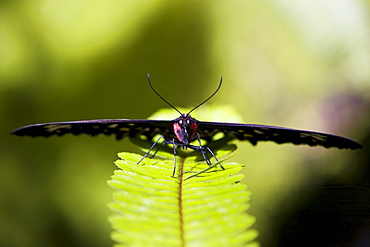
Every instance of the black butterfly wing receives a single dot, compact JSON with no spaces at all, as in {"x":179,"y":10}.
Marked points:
{"x":118,"y":127}
{"x":149,"y":128}
{"x":255,"y":133}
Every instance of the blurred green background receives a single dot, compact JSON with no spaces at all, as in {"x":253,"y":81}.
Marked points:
{"x":301,"y":64}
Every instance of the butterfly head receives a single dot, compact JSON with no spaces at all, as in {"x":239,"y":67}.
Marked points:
{"x":185,"y":128}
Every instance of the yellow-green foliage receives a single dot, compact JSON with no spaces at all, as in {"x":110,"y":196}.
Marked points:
{"x":155,"y":209}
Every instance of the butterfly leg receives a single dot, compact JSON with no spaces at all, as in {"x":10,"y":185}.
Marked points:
{"x":174,"y":157}
{"x":150,"y":149}
{"x":174,"y":154}
{"x":202,"y":150}
{"x":157,"y":149}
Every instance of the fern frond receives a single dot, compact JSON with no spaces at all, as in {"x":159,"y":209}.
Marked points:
{"x":197,"y":207}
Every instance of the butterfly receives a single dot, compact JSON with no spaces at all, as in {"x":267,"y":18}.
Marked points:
{"x":184,"y":130}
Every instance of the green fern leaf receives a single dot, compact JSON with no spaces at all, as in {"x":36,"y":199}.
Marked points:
{"x":197,"y":207}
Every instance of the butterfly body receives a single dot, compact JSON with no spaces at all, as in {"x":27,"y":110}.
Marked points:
{"x":185,"y":128}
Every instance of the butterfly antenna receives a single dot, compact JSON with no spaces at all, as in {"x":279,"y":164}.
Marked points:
{"x":168,"y":103}
{"x":218,"y":88}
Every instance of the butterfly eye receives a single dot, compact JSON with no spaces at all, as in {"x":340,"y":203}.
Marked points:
{"x":188,"y":121}
{"x":180,"y":121}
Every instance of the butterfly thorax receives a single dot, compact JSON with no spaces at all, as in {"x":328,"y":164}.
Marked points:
{"x":185,"y":128}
